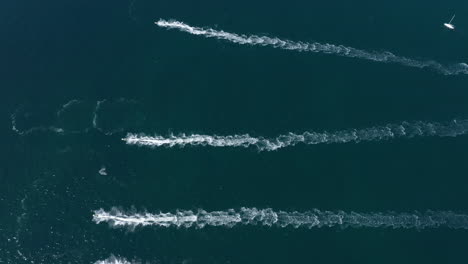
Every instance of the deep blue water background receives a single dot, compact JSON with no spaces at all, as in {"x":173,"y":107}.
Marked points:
{"x":160,"y":81}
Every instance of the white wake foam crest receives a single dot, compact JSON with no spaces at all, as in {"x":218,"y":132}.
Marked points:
{"x":67,"y":105}
{"x":52,"y":128}
{"x":390,"y":131}
{"x":100,"y":109}
{"x":268,"y":217}
{"x":113,"y":260}
{"x":59,"y":127}
{"x":340,"y":50}
{"x":44,"y":128}
{"x":95,"y":114}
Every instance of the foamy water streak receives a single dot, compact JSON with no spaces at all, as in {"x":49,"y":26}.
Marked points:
{"x":114,"y":260}
{"x":268,"y":217}
{"x":390,"y":131}
{"x":340,"y":50}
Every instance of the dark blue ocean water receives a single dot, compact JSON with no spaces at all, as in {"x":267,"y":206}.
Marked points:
{"x":128,"y":75}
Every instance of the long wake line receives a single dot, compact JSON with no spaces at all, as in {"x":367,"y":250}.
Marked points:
{"x":268,"y":217}
{"x":387,"y":132}
{"x":340,"y":50}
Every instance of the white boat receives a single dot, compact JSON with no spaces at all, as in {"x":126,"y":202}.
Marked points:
{"x":449,"y":25}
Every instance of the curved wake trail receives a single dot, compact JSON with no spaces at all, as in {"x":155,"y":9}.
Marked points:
{"x":268,"y":217}
{"x":340,"y":50}
{"x":390,"y":131}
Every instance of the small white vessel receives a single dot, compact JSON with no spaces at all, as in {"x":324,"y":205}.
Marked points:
{"x":449,"y":25}
{"x":103,"y":171}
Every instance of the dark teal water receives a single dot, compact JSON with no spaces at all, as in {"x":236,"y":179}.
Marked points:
{"x":159,"y":81}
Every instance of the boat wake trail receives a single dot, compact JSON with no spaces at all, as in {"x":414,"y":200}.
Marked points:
{"x":114,"y":260}
{"x":387,"y":132}
{"x":107,"y":116}
{"x":340,"y":50}
{"x":268,"y":217}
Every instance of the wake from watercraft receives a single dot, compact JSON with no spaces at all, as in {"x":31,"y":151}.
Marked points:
{"x":267,"y":217}
{"x":387,"y":132}
{"x":72,"y":118}
{"x":340,"y":50}
{"x":114,"y":260}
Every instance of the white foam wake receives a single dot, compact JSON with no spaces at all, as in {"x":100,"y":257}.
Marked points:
{"x":390,"y":131}
{"x":340,"y":50}
{"x":113,"y":260}
{"x":67,"y":118}
{"x":95,"y":114}
{"x":268,"y":217}
{"x":66,"y":106}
